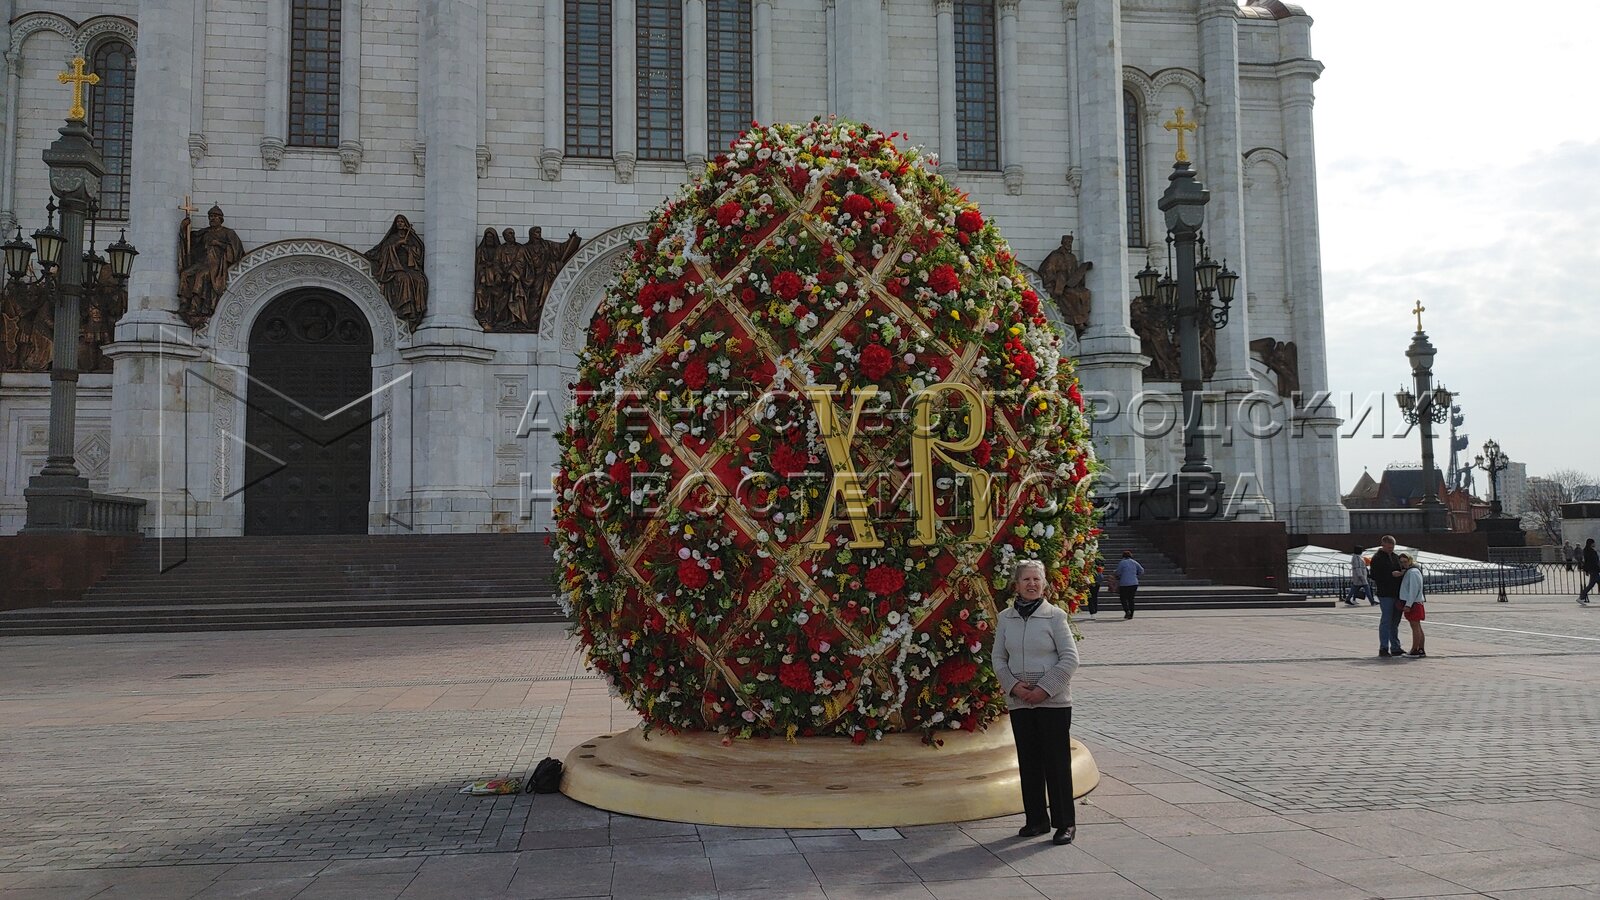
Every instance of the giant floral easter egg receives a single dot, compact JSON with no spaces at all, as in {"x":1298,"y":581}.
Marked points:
{"x":819,"y":419}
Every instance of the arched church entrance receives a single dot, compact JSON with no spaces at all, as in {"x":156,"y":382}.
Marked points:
{"x":308,"y":418}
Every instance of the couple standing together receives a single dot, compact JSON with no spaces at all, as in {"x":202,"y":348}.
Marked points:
{"x":1398,"y":583}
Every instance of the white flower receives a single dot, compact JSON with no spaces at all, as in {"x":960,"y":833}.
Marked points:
{"x":683,"y":552}
{"x":894,"y":617}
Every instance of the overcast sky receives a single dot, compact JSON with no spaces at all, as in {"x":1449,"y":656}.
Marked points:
{"x":1458,"y":163}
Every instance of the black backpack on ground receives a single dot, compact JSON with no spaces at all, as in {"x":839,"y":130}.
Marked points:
{"x":546,"y":777}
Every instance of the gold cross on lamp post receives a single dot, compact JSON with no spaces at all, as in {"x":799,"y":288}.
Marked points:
{"x":1419,"y":310}
{"x":77,"y":78}
{"x":1180,"y":126}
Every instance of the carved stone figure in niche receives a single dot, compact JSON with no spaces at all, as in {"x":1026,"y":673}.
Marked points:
{"x":514,"y":279}
{"x":397,"y":267}
{"x":27,"y":327}
{"x":204,"y":258}
{"x":1283,"y":358}
{"x":1065,"y":279}
{"x":103,"y":304}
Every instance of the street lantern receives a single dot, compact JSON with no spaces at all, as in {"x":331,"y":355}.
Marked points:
{"x":49,"y":241}
{"x":122,"y":254}
{"x":19,"y":256}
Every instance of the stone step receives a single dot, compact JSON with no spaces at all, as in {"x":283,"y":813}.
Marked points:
{"x":226,"y":617}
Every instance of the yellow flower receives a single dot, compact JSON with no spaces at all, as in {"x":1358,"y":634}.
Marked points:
{"x":955,"y":314}
{"x":688,"y":531}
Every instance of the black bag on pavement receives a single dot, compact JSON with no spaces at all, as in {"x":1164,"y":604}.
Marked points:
{"x":546,"y":777}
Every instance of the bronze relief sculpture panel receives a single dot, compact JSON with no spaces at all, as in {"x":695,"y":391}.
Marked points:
{"x":204,"y":258}
{"x":512,"y":279}
{"x":1065,"y":279}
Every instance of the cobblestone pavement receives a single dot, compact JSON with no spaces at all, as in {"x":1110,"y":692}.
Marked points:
{"x":1244,"y":755}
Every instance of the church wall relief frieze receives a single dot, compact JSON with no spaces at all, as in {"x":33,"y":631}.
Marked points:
{"x":27,"y":324}
{"x":1158,"y":343}
{"x":397,"y":265}
{"x":512,"y":280}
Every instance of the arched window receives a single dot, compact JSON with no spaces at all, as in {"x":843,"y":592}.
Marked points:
{"x":660,"y":78}
{"x":730,"y":101}
{"x":1135,"y":168}
{"x":314,"y":40}
{"x":111,"y":123}
{"x":588,"y":50}
{"x":977,"y":87}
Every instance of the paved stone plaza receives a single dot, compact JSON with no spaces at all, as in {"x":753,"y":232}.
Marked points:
{"x":1245,"y":755}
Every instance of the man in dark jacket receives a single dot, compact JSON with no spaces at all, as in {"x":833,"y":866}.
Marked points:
{"x":1591,"y":571}
{"x":1386,"y":572}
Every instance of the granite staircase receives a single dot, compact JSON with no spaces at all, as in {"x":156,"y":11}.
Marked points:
{"x":1165,"y":586}
{"x":312,"y":581}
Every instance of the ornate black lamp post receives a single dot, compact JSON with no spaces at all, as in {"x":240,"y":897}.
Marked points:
{"x":1427,"y":407}
{"x":1493,"y":461}
{"x":1186,"y":300}
{"x":58,"y":496}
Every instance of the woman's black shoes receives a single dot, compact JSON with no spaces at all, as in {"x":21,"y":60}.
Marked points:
{"x":1418,"y":653}
{"x":1065,"y":835}
{"x":1032,"y":830}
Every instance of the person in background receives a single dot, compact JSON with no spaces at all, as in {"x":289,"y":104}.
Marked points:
{"x":1360,"y":584}
{"x":1590,"y":578}
{"x":1411,"y":596}
{"x":1386,"y":573}
{"x":1034,"y":656}
{"x":1128,"y":572}
{"x":1094,"y":588}
{"x":1570,"y":555}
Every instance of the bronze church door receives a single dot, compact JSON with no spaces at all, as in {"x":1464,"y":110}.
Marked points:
{"x":308,"y":422}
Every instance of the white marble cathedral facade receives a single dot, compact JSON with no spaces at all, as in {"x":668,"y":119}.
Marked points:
{"x":456,"y":113}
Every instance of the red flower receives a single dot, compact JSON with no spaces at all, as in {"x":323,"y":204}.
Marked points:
{"x":1075,"y":395}
{"x":957,"y":670}
{"x":1030,"y":303}
{"x":691,"y":576}
{"x":1026,"y":367}
{"x":796,"y":677}
{"x":1080,"y":470}
{"x":694,"y":375}
{"x":789,"y":460}
{"x":982,"y":452}
{"x":787,"y":285}
{"x":857,"y":205}
{"x":729,"y":213}
{"x":620,"y":474}
{"x":943,"y":279}
{"x":858,"y":738}
{"x":885,"y":580}
{"x":876,"y":360}
{"x":896,"y":286}
{"x":970,"y":220}
{"x":799,"y":179}
{"x":600,"y":333}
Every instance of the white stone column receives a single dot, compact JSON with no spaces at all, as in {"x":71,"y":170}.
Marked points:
{"x":624,"y":89}
{"x":695,"y":140}
{"x":8,"y":142}
{"x":1111,"y":365}
{"x":1010,"y":98}
{"x":197,"y":78}
{"x":1240,"y":457}
{"x":448,"y":87}
{"x":153,"y":348}
{"x":555,"y":91}
{"x":451,"y":444}
{"x":761,"y":25}
{"x":1069,"y":57}
{"x":1315,"y":441}
{"x":949,"y":143}
{"x":350,"y":149}
{"x":275,"y":123}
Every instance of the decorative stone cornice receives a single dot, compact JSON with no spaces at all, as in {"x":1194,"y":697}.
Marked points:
{"x":350,"y":156}
{"x":483,"y":156}
{"x":271,"y":152}
{"x":550,"y":159}
{"x":197,"y":147}
{"x":624,"y":163}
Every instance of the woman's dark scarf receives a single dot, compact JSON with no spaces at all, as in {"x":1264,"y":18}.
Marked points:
{"x":1026,"y":608}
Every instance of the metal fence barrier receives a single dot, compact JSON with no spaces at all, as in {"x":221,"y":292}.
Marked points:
{"x":1318,"y":580}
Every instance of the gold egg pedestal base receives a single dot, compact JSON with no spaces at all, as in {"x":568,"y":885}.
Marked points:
{"x":819,"y":782}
